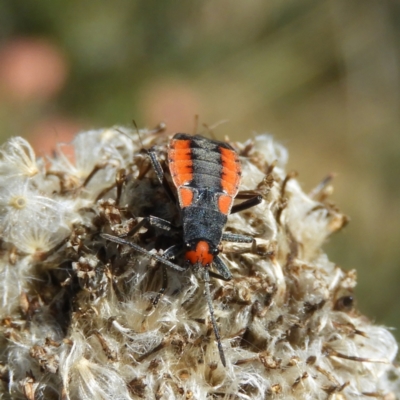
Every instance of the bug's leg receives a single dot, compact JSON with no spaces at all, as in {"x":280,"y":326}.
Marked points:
{"x":211,"y":311}
{"x":160,"y":174}
{"x":236,"y":238}
{"x":156,"y":165}
{"x":171,"y":252}
{"x":163,"y":287}
{"x":246,"y":194}
{"x":136,"y":228}
{"x":141,"y":250}
{"x":224,"y":273}
{"x":251,"y":202}
{"x":151,"y":221}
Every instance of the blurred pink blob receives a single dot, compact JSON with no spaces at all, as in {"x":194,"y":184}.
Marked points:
{"x":31,"y":69}
{"x":174,"y":103}
{"x":47,"y":133}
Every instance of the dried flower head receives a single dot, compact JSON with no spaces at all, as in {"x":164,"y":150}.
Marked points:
{"x":82,"y":317}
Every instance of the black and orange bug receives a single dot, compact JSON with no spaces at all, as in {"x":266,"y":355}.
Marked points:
{"x":206,"y":174}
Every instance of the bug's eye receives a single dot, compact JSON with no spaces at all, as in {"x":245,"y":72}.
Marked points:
{"x":214,"y":252}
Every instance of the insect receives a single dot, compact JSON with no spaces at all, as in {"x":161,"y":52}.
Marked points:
{"x":206,"y":174}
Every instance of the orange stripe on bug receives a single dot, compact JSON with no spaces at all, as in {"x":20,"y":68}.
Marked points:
{"x":185,"y":197}
{"x":180,"y":144}
{"x":225,"y":203}
{"x":181,"y":154}
{"x":180,"y":162}
{"x":231,"y":171}
{"x":229,"y":161}
{"x":201,"y":255}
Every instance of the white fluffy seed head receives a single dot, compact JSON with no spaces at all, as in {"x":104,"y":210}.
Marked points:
{"x":78,"y":319}
{"x":17,"y":159}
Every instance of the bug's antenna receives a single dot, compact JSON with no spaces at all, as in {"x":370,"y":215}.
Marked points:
{"x":161,"y":127}
{"x":138,"y":133}
{"x":210,"y":128}
{"x":218,"y":123}
{"x":214,"y":323}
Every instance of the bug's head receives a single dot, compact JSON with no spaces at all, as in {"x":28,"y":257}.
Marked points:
{"x":201,"y":253}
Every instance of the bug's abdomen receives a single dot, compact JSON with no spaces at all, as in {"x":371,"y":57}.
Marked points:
{"x":199,"y":163}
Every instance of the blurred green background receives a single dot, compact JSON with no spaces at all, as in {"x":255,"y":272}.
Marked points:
{"x":321,"y":76}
